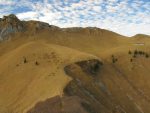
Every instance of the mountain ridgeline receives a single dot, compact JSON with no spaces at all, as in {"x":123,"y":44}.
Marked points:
{"x":48,"y":69}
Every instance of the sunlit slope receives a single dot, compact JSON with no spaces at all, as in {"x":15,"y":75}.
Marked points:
{"x":83,"y":39}
{"x":78,"y":38}
{"x":128,"y":81}
{"x":128,"y":78}
{"x":34,"y":72}
{"x":32,"y":69}
{"x":119,"y":87}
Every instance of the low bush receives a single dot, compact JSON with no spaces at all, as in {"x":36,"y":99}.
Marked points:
{"x":147,"y":55}
{"x":130,"y":52}
{"x":36,"y":63}
{"x":135,"y":52}
{"x":25,"y":60}
{"x":114,"y":60}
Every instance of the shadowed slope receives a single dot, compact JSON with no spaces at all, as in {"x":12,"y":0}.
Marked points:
{"x":113,"y":89}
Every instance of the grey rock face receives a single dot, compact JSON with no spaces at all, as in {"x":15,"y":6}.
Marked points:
{"x":42,"y":25}
{"x":10,"y":24}
{"x":90,"y":66}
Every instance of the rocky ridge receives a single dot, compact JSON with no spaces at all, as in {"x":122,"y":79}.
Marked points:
{"x":11,"y":24}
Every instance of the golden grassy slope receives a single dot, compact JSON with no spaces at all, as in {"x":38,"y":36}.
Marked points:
{"x":24,"y":84}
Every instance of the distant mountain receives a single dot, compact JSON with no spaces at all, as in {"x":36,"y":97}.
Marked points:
{"x":141,"y":36}
{"x":11,"y":24}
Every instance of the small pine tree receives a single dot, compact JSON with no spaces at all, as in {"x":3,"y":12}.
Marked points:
{"x":147,"y":55}
{"x":113,"y":60}
{"x":135,"y":52}
{"x":130,"y":52}
{"x":140,"y":52}
{"x":36,"y":63}
{"x":25,"y":60}
{"x":116,"y":60}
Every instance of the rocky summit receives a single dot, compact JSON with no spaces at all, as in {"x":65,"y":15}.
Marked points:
{"x":11,"y":24}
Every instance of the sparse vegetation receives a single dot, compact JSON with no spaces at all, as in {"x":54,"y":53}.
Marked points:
{"x":48,"y":68}
{"x":36,"y":63}
{"x":138,"y":53}
{"x":135,"y":52}
{"x":114,"y":60}
{"x":147,"y":55}
{"x":25,"y":60}
{"x":112,"y":56}
{"x":130,"y":52}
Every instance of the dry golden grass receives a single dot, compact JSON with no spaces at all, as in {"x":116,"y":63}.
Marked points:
{"x":22,"y":85}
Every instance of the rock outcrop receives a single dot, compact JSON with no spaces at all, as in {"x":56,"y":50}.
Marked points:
{"x":91,"y":67}
{"x":59,"y":105}
{"x":78,"y":96}
{"x":10,"y":24}
{"x":84,"y":85}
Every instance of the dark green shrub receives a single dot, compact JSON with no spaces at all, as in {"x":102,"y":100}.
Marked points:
{"x":140,"y":52}
{"x":114,"y":60}
{"x":36,"y":63}
{"x":25,"y":60}
{"x":130,"y":52}
{"x":147,"y":55}
{"x":135,"y":52}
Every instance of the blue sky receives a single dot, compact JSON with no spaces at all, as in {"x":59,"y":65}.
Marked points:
{"x":127,"y":17}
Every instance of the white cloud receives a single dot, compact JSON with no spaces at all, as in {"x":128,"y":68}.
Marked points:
{"x":28,"y":15}
{"x":7,"y":2}
{"x":97,"y":8}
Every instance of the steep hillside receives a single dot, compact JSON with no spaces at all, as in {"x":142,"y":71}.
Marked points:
{"x":34,"y":72}
{"x":120,"y":87}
